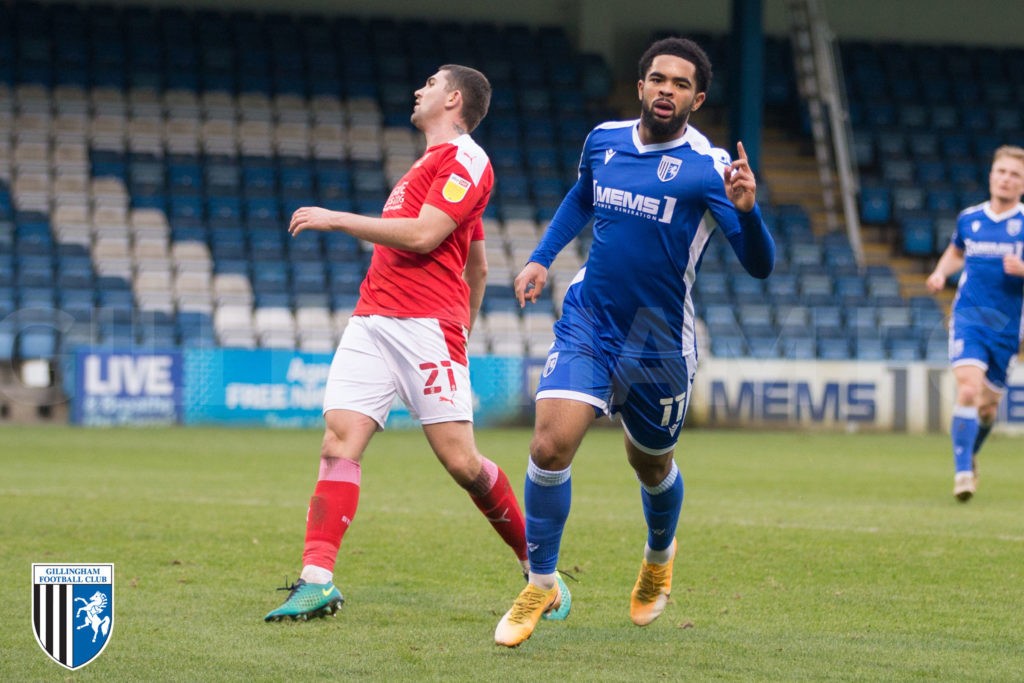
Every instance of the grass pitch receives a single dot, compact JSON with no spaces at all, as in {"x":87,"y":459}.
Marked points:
{"x":809,"y":557}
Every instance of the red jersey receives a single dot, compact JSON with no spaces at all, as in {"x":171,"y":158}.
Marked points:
{"x":455,"y":177}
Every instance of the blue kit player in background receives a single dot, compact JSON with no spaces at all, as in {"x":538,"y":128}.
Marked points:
{"x":625,"y":341}
{"x":985,"y":331}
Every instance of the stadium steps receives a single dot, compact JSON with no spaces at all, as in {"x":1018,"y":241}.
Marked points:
{"x":910,"y":272}
{"x":791,"y":173}
{"x":792,"y":176}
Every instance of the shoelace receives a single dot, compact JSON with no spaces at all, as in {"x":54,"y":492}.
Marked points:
{"x":293,"y":587}
{"x":522,"y":609}
{"x":526,"y":576}
{"x":651,"y":581}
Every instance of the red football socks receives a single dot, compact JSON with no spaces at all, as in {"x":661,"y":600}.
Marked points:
{"x":501,"y":508}
{"x":331,"y":510}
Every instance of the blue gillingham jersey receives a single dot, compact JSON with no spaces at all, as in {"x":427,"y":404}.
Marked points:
{"x":986,"y":295}
{"x":649,"y":204}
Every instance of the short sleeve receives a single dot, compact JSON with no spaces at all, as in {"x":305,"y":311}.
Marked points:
{"x":454,"y":191}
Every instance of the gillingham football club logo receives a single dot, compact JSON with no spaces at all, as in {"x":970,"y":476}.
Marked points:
{"x":668,"y":168}
{"x":1013,"y":227}
{"x":73,"y":611}
{"x":549,"y":366}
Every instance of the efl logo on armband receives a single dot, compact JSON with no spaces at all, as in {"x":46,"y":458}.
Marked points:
{"x":455,"y":189}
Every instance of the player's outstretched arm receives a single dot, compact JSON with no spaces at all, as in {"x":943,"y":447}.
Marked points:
{"x":421,"y":234}
{"x":530,"y":283}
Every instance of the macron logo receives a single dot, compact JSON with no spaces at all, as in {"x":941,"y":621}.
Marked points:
{"x":608,"y":154}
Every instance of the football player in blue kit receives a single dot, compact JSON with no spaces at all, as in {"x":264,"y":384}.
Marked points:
{"x":624,"y":344}
{"x":985,"y":330}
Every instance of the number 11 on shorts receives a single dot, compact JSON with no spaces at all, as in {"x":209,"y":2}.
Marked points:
{"x":669,"y":401}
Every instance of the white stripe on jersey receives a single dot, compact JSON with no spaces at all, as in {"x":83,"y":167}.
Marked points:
{"x":700,"y":240}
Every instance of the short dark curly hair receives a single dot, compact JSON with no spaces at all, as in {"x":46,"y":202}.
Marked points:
{"x":685,"y":49}
{"x":475,"y":89}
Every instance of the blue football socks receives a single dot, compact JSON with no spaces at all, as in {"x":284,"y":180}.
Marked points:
{"x":662,"y":504}
{"x":983,"y":429}
{"x":547,"y":498}
{"x":964,"y":433}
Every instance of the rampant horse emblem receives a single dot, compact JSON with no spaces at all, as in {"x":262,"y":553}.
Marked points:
{"x":549,"y":366}
{"x":73,"y":611}
{"x":93,"y":608}
{"x":668,"y":168}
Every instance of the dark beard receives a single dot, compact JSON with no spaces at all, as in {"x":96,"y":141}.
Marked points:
{"x":663,"y":129}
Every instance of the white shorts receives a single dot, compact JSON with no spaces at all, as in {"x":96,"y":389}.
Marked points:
{"x":420,"y":360}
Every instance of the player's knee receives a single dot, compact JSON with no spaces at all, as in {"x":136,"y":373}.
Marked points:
{"x":331,"y":446}
{"x":987,"y":413}
{"x":652,"y":470}
{"x":967,"y":394}
{"x":463,"y":468}
{"x":548,"y":453}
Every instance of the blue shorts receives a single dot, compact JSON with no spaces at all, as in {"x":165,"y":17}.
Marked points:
{"x":980,"y":346}
{"x":650,"y":395}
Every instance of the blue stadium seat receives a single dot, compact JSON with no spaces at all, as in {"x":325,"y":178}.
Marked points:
{"x":868,"y":348}
{"x":905,"y":349}
{"x":77,"y":303}
{"x":942,"y":200}
{"x":8,"y":335}
{"x":798,"y":347}
{"x":37,"y":343}
{"x":309,"y":278}
{"x":79,"y":334}
{"x":891,"y":144}
{"x":728,"y":346}
{"x":936,"y":350}
{"x":917,"y":235}
{"x":500,"y":298}
{"x":35,"y":297}
{"x":184,"y":179}
{"x":267,"y":245}
{"x":227,"y":244}
{"x":834,"y":348}
{"x":764,"y":347}
{"x":270,"y":276}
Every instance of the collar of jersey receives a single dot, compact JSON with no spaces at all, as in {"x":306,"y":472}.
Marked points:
{"x":995,"y":218}
{"x":683,"y":139}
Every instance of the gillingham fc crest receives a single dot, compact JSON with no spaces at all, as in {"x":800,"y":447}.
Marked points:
{"x":73,"y":611}
{"x":668,"y":168}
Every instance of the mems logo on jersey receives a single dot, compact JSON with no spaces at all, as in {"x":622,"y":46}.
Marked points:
{"x":635,"y":204}
{"x":456,"y":188}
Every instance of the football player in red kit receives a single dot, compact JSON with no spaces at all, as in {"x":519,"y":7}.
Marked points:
{"x":407,"y":335}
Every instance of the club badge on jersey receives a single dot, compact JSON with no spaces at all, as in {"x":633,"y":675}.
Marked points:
{"x":668,"y":168}
{"x":456,"y":188}
{"x":73,"y":611}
